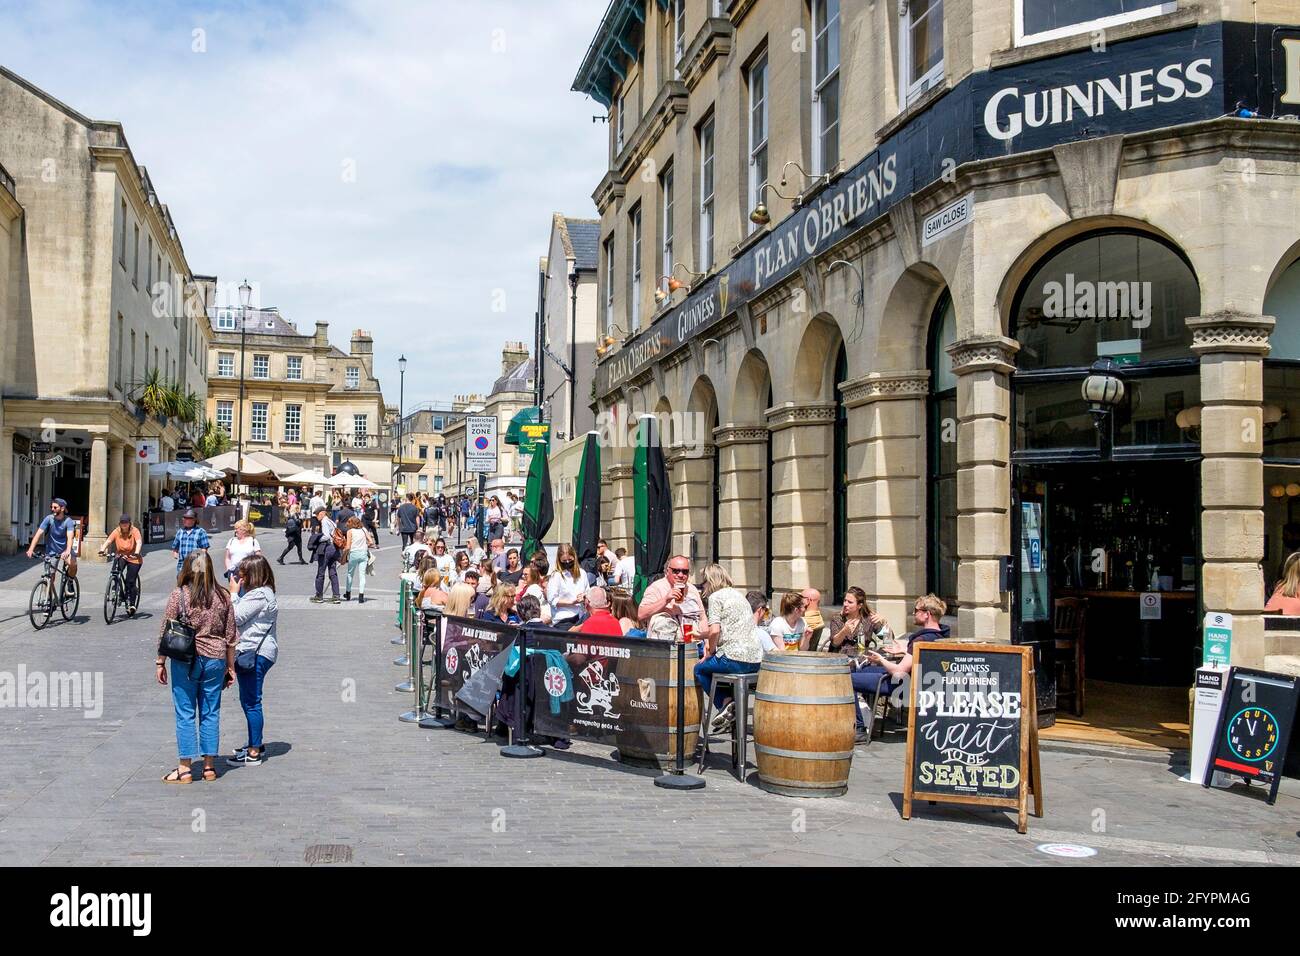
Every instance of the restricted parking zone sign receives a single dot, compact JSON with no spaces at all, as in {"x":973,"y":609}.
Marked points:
{"x":481,"y":443}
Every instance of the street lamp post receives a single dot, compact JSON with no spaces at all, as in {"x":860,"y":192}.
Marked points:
{"x":401,"y":414}
{"x":245,"y":296}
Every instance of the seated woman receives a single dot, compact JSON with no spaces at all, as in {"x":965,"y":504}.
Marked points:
{"x":731,"y":647}
{"x":788,"y":627}
{"x":856,"y":629}
{"x":501,"y":606}
{"x":1286,"y":597}
{"x":623,"y":608}
{"x":431,"y":597}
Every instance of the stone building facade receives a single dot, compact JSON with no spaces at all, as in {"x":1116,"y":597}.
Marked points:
{"x":510,"y":393}
{"x":98,"y":293}
{"x":989,"y":199}
{"x":422,"y":454}
{"x":305,"y":400}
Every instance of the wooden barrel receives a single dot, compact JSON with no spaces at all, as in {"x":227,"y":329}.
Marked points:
{"x":803,"y":724}
{"x":649,"y":733}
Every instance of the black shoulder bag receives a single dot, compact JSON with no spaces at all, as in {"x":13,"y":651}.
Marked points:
{"x":177,"y":640}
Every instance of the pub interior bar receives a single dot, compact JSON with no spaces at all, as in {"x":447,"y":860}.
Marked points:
{"x":1028,"y":338}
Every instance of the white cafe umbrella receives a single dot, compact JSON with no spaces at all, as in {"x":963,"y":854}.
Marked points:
{"x":354,"y":481}
{"x":311,"y":477}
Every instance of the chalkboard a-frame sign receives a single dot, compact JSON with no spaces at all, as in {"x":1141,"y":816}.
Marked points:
{"x":1254,"y":728}
{"x":972,"y":731}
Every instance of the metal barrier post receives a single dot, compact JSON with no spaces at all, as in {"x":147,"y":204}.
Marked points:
{"x":433,"y":718}
{"x":404,"y":599}
{"x":413,"y":716}
{"x":676,"y":778}
{"x":519,"y":747}
{"x":408,"y":686}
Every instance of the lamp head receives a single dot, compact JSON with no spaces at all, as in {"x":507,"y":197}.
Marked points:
{"x":401,"y":363}
{"x":760,"y":216}
{"x":245,"y":294}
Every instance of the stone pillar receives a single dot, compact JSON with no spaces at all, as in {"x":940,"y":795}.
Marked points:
{"x":743,"y":506}
{"x":1232,"y":347}
{"x":131,"y":489}
{"x":983,"y":365}
{"x":802,"y":462}
{"x":691,"y":475}
{"x":119,"y":459}
{"x":7,"y":543}
{"x":96,"y":517}
{"x":622,"y":509}
{"x":887,"y":498}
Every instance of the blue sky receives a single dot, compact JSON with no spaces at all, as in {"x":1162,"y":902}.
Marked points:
{"x":381,"y":165}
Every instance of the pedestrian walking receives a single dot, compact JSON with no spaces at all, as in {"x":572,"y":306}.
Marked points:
{"x":189,"y":538}
{"x":256,"y":650}
{"x":293,"y":534}
{"x":408,"y":519}
{"x":327,"y":559}
{"x":243,"y":544}
{"x":200,"y":603}
{"x":357,"y":550}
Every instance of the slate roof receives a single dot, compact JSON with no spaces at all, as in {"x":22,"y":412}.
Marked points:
{"x":516,"y":380}
{"x":584,"y":235}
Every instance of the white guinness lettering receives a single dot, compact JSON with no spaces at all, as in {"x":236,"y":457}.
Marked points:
{"x":1008,"y":112}
{"x":691,"y":318}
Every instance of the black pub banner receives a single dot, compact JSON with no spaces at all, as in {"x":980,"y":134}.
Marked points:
{"x":1167,"y":79}
{"x":468,"y":644}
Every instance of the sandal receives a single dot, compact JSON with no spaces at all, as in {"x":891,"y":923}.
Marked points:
{"x":209,"y":770}
{"x":179,"y":775}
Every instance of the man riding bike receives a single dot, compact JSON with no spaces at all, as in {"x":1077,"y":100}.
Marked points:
{"x":59,"y":532}
{"x":129,"y":544}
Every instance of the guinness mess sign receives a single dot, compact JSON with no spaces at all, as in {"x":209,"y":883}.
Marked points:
{"x":972,"y":731}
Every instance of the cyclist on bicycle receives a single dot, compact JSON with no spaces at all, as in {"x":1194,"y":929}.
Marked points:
{"x":129,"y":543}
{"x":59,"y":532}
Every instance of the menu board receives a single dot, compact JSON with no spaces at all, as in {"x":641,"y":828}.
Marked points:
{"x":1254,"y":727}
{"x":972,"y":729}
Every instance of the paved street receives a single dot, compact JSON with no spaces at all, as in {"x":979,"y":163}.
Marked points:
{"x":343,"y":770}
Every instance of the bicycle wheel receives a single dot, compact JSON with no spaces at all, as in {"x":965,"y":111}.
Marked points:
{"x":39,"y":605}
{"x":70,"y":599}
{"x":112,"y":596}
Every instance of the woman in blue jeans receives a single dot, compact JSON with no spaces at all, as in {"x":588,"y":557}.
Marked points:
{"x":199,"y":602}
{"x":255,"y":616}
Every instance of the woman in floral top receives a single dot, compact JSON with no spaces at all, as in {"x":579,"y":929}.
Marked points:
{"x":196,"y":688}
{"x":731,"y":647}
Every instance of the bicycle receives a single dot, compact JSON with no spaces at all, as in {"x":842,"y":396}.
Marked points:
{"x":54,"y":582}
{"x":116,"y":595}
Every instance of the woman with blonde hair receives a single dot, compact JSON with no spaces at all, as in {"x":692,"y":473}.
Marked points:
{"x":358,"y":552}
{"x":501,"y":606}
{"x":431,"y":596}
{"x":730,"y":644}
{"x":565,"y":587}
{"x":459,"y":600}
{"x":1286,"y":596}
{"x":239,"y":547}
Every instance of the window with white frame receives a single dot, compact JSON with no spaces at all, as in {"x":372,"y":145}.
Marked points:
{"x":609,"y":284}
{"x":261,"y":366}
{"x":437,"y":423}
{"x":121,"y":255}
{"x":422,"y":482}
{"x":353,"y":376}
{"x":331,"y":421}
{"x":226,"y":416}
{"x":620,"y":109}
{"x":148,"y":265}
{"x":121,"y":349}
{"x":757,"y":131}
{"x":437,"y":453}
{"x":293,"y":368}
{"x":359,"y":430}
{"x":226,"y":364}
{"x":826,"y":85}
{"x":293,"y":423}
{"x":634,"y":311}
{"x":679,"y":34}
{"x":705,"y":257}
{"x":135,"y":260}
{"x":225,"y":320}
{"x":920,"y":48}
{"x":666,"y":226}
{"x":1039,"y":20}
{"x":437,"y":483}
{"x":423,"y":453}
{"x":258,"y":420}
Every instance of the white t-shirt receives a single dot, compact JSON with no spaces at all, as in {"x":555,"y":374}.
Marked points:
{"x":562,"y":589}
{"x":767,"y":642}
{"x":412,"y":551}
{"x":625,"y":571}
{"x":779,"y":629}
{"x":239,"y":548}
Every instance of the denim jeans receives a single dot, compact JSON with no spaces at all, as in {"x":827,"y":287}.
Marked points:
{"x":250,"y":698}
{"x":327,"y":559}
{"x":717,"y":664}
{"x":196,"y":694}
{"x":866,"y":680}
{"x":357,"y":566}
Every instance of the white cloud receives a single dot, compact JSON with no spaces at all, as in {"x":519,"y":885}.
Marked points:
{"x":461,"y":153}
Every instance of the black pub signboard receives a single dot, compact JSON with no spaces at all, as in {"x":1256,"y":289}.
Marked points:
{"x":1254,"y":728}
{"x":972,"y":731}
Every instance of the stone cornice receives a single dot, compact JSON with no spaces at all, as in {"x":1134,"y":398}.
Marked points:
{"x":611,"y":187}
{"x":619,"y":472}
{"x":794,"y":416}
{"x":885,"y":386}
{"x":980,"y":353}
{"x":1232,"y":332}
{"x":739,"y":435}
{"x":713,"y":41}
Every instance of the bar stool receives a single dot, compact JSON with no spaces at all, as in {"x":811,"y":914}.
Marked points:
{"x":742,"y":686}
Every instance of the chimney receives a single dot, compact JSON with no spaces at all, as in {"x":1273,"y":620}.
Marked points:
{"x":362,"y":349}
{"x":323,"y":334}
{"x":513,"y":354}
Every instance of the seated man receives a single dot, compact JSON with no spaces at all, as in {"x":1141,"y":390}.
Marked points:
{"x":411,"y":553}
{"x":873,"y":670}
{"x":672,"y":604}
{"x":599,"y":619}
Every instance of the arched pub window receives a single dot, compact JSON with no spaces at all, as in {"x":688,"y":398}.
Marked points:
{"x":1282,"y":424}
{"x":1117,"y":294}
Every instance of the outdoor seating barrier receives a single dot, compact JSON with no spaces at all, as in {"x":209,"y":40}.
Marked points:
{"x":409,"y":633}
{"x":405,"y":599}
{"x":420,"y":711}
{"x":432,"y":707}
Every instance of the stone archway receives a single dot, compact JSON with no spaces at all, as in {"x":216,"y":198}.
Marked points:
{"x":743,"y":506}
